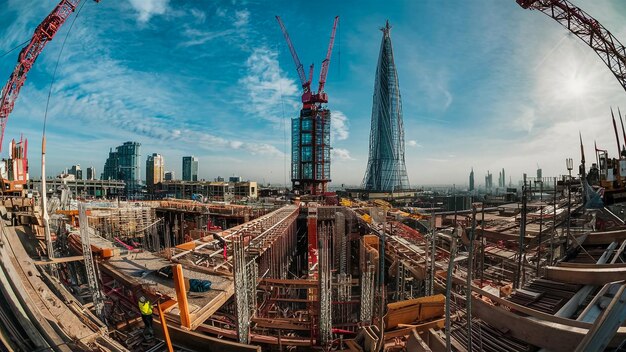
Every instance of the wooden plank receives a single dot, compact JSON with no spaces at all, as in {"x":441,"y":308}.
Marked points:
{"x":199,"y":342}
{"x":605,"y":237}
{"x":282,"y":324}
{"x":525,"y":310}
{"x":256,"y":338}
{"x":551,"y":336}
{"x":405,"y":329}
{"x":414,"y":310}
{"x":188,"y":246}
{"x":59,"y":260}
{"x":415,"y":343}
{"x":212,"y":307}
{"x":436,"y":343}
{"x":597,"y":275}
{"x":286,"y":282}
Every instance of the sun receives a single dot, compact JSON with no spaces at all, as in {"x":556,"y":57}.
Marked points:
{"x":576,"y":85}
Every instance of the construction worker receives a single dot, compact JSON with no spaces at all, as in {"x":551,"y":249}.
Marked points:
{"x":145,"y":307}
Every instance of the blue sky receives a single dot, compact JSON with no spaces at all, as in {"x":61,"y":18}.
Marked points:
{"x":485,"y":84}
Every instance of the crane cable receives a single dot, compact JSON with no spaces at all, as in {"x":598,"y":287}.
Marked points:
{"x":45,"y":118}
{"x":282,"y":105}
{"x":16,"y":47}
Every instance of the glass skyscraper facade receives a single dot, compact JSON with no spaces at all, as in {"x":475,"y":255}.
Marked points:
{"x":190,"y":168}
{"x":123,"y":164}
{"x":386,"y":169}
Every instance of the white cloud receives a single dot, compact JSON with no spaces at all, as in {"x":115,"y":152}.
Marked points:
{"x":432,"y":81}
{"x":413,"y":143}
{"x":241,"y":18}
{"x":199,"y":15}
{"x":339,"y":126}
{"x":340,"y":154}
{"x":220,"y":12}
{"x":525,"y":119}
{"x":149,"y":8}
{"x":267,"y":88}
{"x":199,"y":37}
{"x":91,"y":94}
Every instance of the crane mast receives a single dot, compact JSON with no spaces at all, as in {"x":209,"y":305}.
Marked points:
{"x":324,"y":72}
{"x":44,"y":33}
{"x":306,"y":84}
{"x":309,"y":97}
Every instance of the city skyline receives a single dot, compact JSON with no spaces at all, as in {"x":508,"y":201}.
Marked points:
{"x":546,"y":86}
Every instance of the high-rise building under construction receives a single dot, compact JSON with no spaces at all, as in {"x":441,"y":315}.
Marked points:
{"x":310,"y":133}
{"x":386,"y":170}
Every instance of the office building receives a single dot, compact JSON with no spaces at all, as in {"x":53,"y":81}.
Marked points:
{"x":123,"y":164}
{"x":190,"y":168}
{"x":154,"y":171}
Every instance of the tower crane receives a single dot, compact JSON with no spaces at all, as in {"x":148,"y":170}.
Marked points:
{"x":309,"y":97}
{"x":306,"y":84}
{"x":310,"y":155}
{"x":44,"y":33}
{"x":321,"y":95}
{"x":15,"y":173}
{"x":588,"y":29}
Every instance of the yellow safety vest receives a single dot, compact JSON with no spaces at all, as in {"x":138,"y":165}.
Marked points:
{"x":145,"y":308}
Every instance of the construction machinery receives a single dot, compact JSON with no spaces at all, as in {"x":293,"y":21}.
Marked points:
{"x":310,"y":153}
{"x":44,"y":33}
{"x":14,"y":170}
{"x":588,"y":29}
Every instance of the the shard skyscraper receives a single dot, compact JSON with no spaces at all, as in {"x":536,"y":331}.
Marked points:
{"x":386,"y":171}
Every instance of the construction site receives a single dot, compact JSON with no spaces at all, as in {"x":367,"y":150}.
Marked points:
{"x":361,"y":270}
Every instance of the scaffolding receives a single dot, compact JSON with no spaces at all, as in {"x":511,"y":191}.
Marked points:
{"x":245,"y":277}
{"x":367,"y":294}
{"x":126,"y":225}
{"x":386,"y":169}
{"x":325,"y":280}
{"x":90,"y":266}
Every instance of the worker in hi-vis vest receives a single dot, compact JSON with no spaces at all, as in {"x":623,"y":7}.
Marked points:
{"x":145,"y":307}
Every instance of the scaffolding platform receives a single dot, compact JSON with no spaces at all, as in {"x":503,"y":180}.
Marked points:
{"x":140,"y":270}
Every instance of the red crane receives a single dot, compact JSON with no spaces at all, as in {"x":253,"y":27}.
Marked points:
{"x":43,"y":34}
{"x":321,"y":95}
{"x":307,"y":96}
{"x":306,"y":84}
{"x":588,"y":29}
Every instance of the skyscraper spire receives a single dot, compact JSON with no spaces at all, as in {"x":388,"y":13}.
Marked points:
{"x":386,"y":170}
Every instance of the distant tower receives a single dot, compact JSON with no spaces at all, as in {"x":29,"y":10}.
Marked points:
{"x":123,"y":164}
{"x":471,"y":180}
{"x":488,"y":180}
{"x":386,"y":170}
{"x":76,"y":171}
{"x":539,"y":174}
{"x":190,"y":168}
{"x":154,"y":171}
{"x":91,"y":173}
{"x":503,"y":179}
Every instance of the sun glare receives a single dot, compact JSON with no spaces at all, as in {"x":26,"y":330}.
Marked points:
{"x":576,"y":86}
